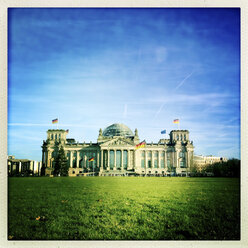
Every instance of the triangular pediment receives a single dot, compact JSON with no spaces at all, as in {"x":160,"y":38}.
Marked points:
{"x":117,"y":142}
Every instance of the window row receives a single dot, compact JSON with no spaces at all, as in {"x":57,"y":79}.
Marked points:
{"x":181,"y":137}
{"x":161,"y":165}
{"x":155,"y":154}
{"x":55,"y":136}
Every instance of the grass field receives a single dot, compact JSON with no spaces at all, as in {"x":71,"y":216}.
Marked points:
{"x":117,"y":208}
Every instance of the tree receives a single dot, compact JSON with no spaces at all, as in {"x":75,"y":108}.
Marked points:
{"x":61,"y":165}
{"x":230,"y":168}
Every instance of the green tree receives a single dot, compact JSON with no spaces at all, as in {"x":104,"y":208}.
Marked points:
{"x":61,"y":166}
{"x":230,"y":168}
{"x":194,"y":171}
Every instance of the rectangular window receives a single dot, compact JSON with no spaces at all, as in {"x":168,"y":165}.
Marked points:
{"x":125,"y":159}
{"x":182,"y":164}
{"x":143,"y":154}
{"x":149,"y":162}
{"x":155,"y":159}
{"x":112,"y":160}
{"x":155,"y":163}
{"x":142,"y":163}
{"x":162,"y":163}
{"x":118,"y":159}
{"x":149,"y":155}
{"x":181,"y":154}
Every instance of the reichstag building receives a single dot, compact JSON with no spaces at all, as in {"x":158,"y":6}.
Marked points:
{"x":117,"y":153}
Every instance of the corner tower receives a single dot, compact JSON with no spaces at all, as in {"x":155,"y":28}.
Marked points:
{"x":55,"y":138}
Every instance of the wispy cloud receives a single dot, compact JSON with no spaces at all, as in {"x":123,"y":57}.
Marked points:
{"x":102,"y":66}
{"x":50,"y":125}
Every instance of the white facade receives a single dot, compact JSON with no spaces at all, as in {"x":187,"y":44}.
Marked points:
{"x":115,"y":153}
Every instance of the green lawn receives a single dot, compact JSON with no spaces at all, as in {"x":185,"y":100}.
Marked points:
{"x":118,"y":208}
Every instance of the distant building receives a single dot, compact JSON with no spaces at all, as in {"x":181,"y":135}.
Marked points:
{"x":201,"y":162}
{"x":23,"y":166}
{"x":116,"y":154}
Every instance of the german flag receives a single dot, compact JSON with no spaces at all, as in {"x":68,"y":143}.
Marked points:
{"x":141,"y":144}
{"x":55,"y":121}
{"x":91,"y":159}
{"x":176,"y":121}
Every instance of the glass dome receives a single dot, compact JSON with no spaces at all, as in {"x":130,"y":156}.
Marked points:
{"x":117,"y":130}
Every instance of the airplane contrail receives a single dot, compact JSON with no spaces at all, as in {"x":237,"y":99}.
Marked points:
{"x":182,"y":82}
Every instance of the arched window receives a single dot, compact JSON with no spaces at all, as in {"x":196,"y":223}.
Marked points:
{"x":184,"y":136}
{"x":51,"y":136}
{"x":177,"y":137}
{"x":181,"y":137}
{"x":55,"y":136}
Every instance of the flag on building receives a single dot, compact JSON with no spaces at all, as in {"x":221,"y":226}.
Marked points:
{"x":163,"y":131}
{"x":55,"y":121}
{"x":91,"y":159}
{"x":176,"y":121}
{"x":141,"y":144}
{"x":67,"y":131}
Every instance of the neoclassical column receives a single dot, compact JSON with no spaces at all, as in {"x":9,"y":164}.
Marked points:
{"x":49,"y":159}
{"x":20,"y":166}
{"x":114,"y":159}
{"x":188,"y":159}
{"x":77,"y":165}
{"x":98,"y":164}
{"x":102,"y":159}
{"x":71,"y":159}
{"x":176,"y":155}
{"x":32,"y":166}
{"x":173,"y":158}
{"x":108,"y":159}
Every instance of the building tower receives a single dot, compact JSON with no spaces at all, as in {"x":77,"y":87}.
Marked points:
{"x":50,"y":147}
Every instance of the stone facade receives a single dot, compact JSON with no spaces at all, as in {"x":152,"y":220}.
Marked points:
{"x":23,"y":167}
{"x":115,"y":153}
{"x":201,"y":162}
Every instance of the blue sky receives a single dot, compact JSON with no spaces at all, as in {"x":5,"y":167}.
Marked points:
{"x":144,"y":68}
